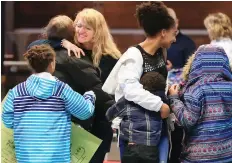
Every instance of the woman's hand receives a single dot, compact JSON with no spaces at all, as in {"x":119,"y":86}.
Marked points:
{"x":71,"y":47}
{"x":174,"y":89}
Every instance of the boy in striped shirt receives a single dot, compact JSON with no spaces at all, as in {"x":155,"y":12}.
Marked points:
{"x":39,"y":111}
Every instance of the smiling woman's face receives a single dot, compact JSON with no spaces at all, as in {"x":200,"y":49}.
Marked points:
{"x":84,"y":32}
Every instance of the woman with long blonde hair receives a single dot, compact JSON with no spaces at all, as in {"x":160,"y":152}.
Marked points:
{"x":92,"y":35}
{"x":93,"y":38}
{"x":102,"y":42}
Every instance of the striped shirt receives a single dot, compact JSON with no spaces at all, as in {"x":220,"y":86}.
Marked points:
{"x":39,"y":111}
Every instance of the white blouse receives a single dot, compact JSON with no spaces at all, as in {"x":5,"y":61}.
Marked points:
{"x":124,"y":81}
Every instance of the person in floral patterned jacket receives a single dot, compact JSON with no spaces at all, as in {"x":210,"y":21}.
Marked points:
{"x":204,"y":106}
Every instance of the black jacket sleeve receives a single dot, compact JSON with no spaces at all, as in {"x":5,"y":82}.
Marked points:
{"x":84,"y":75}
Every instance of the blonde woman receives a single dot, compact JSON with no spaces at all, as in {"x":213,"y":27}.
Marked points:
{"x":219,"y":28}
{"x":92,"y":35}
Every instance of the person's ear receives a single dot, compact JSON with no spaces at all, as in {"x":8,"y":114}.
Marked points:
{"x":163,"y":32}
{"x":177,"y":23}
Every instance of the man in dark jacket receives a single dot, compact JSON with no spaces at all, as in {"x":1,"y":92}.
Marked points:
{"x":178,"y":54}
{"x":80,"y":74}
{"x":182,"y":49}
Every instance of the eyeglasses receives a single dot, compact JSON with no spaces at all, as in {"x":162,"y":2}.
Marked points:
{"x":79,"y":25}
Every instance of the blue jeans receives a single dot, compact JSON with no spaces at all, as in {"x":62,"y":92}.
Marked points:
{"x":121,"y":147}
{"x":163,"y":147}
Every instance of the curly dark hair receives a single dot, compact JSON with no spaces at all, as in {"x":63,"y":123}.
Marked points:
{"x":153,"y":81}
{"x":39,"y":57}
{"x":153,"y":17}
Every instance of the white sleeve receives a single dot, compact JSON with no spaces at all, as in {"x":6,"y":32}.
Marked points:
{"x":129,"y":82}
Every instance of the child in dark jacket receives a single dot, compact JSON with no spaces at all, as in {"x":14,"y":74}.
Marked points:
{"x":141,"y":128}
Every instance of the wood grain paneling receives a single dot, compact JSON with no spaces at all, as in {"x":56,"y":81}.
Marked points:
{"x":125,"y":41}
{"x":192,"y":14}
{"x":118,"y":14}
{"x":37,"y":14}
{"x":200,"y":40}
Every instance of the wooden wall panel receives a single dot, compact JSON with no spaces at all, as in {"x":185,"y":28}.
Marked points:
{"x":200,"y":40}
{"x":29,"y":14}
{"x":125,"y":41}
{"x":192,"y":14}
{"x":118,"y":14}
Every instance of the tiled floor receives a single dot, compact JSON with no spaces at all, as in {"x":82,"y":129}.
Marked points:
{"x":114,"y":154}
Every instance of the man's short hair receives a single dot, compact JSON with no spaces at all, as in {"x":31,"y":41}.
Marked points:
{"x":60,"y":27}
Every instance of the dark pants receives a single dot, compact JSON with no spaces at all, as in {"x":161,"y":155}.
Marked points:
{"x":176,"y":138}
{"x":103,"y":131}
{"x":99,"y":155}
{"x":140,"y":154}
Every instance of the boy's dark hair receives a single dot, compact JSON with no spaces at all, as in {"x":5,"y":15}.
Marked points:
{"x":39,"y":57}
{"x":153,"y":81}
{"x":153,"y":17}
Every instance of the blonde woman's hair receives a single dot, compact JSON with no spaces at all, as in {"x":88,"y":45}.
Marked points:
{"x":60,"y":27}
{"x":218,"y":26}
{"x":103,"y":43}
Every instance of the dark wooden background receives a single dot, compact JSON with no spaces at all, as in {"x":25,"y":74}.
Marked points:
{"x":118,"y":15}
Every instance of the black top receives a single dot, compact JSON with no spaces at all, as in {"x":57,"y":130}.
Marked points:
{"x":154,"y":62}
{"x":107,"y":63}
